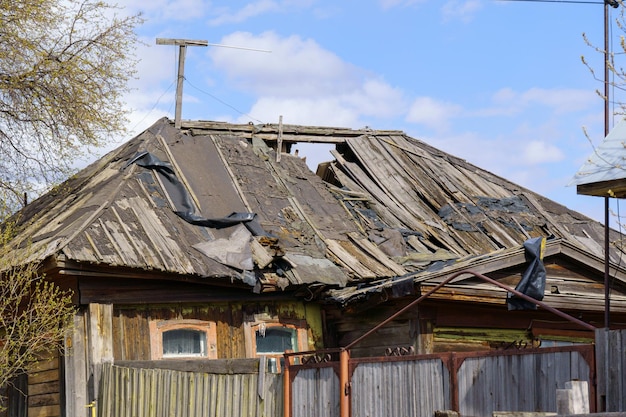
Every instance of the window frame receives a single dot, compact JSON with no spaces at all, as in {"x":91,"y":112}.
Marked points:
{"x":301,"y":336}
{"x":159,"y":327}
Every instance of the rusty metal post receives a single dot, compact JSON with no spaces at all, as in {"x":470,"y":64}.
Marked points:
{"x":287,"y":387}
{"x":344,"y":383}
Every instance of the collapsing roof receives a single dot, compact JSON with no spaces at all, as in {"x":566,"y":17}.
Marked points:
{"x":214,"y":203}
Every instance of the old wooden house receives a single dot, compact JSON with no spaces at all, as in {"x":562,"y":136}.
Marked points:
{"x":215,"y":242}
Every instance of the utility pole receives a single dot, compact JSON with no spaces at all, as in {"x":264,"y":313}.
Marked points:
{"x":607,"y":56}
{"x":182,"y":50}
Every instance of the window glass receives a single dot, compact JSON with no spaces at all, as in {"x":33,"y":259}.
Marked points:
{"x":184,"y":342}
{"x":275,"y":340}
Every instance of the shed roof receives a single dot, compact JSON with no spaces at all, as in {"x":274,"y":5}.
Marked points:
{"x":389,"y":206}
{"x":604,"y":172}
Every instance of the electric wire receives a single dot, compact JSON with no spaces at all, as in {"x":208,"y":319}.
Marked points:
{"x":221,"y":101}
{"x":612,"y":85}
{"x":149,"y":112}
{"x":158,"y":100}
{"x":556,"y":1}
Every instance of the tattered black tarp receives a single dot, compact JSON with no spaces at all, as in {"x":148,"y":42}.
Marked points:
{"x":533,"y":282}
{"x":181,"y":199}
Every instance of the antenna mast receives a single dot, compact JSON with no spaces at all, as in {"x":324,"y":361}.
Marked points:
{"x":182,"y":49}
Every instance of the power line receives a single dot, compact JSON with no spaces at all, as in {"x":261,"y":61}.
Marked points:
{"x":222,"y":101}
{"x":562,"y":1}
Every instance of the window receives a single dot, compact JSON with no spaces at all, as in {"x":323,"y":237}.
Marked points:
{"x":184,"y":342}
{"x":275,"y":340}
{"x":270,"y":337}
{"x":183,"y":339}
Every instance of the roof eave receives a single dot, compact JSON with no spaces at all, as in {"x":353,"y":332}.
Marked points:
{"x":613,"y":188}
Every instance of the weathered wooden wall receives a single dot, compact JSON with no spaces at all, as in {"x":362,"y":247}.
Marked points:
{"x":611,"y":367}
{"x":346,"y":326}
{"x":136,"y":392}
{"x":131,"y":333}
{"x":44,"y":388}
{"x":440,"y":326}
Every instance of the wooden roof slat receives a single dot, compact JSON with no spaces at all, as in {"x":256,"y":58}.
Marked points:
{"x":377,"y":254}
{"x":338,"y":252}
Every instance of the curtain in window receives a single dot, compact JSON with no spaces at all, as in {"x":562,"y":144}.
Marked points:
{"x":276,"y":340}
{"x":184,"y":342}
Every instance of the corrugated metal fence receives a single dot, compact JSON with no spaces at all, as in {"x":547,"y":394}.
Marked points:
{"x":611,"y":365}
{"x":475,"y":384}
{"x":136,"y":392}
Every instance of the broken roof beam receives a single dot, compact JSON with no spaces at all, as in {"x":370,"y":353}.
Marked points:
{"x":271,"y":137}
{"x":291,"y":133}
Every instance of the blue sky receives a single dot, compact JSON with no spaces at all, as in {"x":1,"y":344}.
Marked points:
{"x":498,"y":83}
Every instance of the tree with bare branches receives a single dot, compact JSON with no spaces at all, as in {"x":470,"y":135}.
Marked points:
{"x":64,"y":68}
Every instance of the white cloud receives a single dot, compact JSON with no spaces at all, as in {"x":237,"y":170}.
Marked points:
{"x":388,"y":4}
{"x":157,"y":63}
{"x":155,"y":11}
{"x":538,"y":152}
{"x":464,"y":11}
{"x":561,"y":100}
{"x":508,"y":102}
{"x":299,"y":79}
{"x":295,"y":66}
{"x":153,"y":93}
{"x":304,"y":82}
{"x":225,"y":16}
{"x":330,"y":111}
{"x":433,"y":114}
{"x":375,"y":97}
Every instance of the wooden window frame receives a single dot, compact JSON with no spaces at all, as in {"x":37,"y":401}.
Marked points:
{"x":251,"y":327}
{"x":158,"y":327}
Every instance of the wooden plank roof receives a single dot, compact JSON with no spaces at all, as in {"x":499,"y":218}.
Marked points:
{"x":390,"y":206}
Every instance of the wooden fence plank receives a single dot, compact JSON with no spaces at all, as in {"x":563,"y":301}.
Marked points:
{"x":137,"y":392}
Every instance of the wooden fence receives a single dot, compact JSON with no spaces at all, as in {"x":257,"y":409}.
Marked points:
{"x":475,"y":384}
{"x":611,"y":367}
{"x":140,"y":392}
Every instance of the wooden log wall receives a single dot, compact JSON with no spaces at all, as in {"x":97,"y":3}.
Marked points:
{"x":437,"y":326}
{"x":131,"y":332}
{"x":346,"y":326}
{"x":44,"y":388}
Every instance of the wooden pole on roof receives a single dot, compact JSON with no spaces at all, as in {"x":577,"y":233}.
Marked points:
{"x":279,"y":141}
{"x":182,"y":51}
